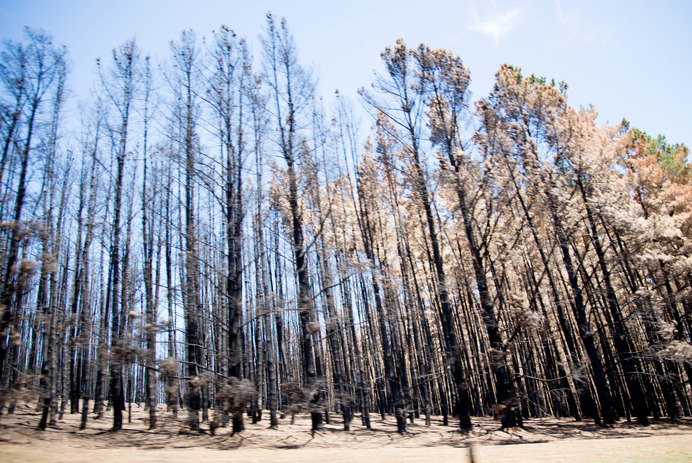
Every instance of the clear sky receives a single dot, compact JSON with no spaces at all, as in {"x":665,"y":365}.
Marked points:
{"x":629,"y":59}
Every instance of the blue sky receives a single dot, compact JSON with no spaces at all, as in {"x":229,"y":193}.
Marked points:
{"x":628,"y":58}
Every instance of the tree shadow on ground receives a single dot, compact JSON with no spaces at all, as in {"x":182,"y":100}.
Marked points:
{"x":21,"y":428}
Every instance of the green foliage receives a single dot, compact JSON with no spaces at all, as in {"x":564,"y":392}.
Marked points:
{"x":673,"y":158}
{"x":536,"y":81}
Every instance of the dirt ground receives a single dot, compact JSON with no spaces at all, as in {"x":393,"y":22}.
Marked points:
{"x":542,"y":440}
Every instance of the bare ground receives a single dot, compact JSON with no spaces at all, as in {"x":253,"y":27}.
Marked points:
{"x":542,"y":440}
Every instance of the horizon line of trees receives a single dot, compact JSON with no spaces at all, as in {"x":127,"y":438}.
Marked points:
{"x":206,"y":233}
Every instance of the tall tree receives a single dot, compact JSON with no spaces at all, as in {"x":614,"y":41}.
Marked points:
{"x":149,"y":196}
{"x":230,"y":81}
{"x":291,"y":89}
{"x":36,"y":67}
{"x":121,"y":87}
{"x":52,"y":239}
{"x":185,"y":81}
{"x":405,"y":90}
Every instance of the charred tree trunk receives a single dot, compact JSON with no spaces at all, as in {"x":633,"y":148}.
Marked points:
{"x":634,"y":385}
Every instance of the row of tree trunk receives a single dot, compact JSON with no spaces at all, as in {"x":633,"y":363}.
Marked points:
{"x":516,"y":260}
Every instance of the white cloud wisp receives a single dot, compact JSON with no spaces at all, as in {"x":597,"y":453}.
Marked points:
{"x":497,"y":26}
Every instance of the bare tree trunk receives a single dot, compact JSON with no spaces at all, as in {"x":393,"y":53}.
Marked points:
{"x":585,"y":332}
{"x":148,"y":232}
{"x":291,"y":90}
{"x":125,"y":63}
{"x":266,"y":302}
{"x":634,"y":384}
{"x":185,"y":56}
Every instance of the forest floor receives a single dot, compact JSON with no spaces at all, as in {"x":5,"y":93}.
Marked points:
{"x":541,"y":440}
